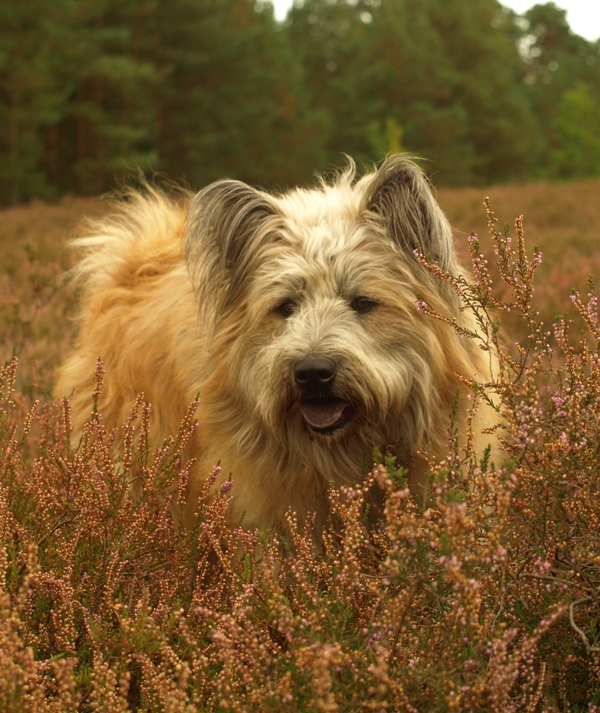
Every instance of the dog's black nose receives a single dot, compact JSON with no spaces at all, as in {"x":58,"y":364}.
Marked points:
{"x":314,"y":372}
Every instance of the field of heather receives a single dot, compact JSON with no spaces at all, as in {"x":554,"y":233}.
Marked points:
{"x":561,"y":219}
{"x":488,"y":599}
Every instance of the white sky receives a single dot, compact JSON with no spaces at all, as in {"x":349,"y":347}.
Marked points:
{"x":583,"y":16}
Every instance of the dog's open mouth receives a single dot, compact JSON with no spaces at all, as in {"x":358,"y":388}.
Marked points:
{"x":326,"y":415}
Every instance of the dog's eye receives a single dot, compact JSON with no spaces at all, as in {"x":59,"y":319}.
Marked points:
{"x":362,"y":304}
{"x":286,"y":309}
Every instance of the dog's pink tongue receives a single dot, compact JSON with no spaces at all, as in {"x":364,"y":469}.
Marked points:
{"x":323,"y":413}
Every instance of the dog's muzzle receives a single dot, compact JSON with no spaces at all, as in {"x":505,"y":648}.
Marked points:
{"x":323,"y":412}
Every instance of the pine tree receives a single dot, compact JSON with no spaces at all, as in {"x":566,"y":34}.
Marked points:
{"x":562,"y":71}
{"x":106,"y":127}
{"x":333,"y":42}
{"x":231,"y":100}
{"x":420,"y":84}
{"x":441,"y":78}
{"x":478,"y":45}
{"x":31,"y":95}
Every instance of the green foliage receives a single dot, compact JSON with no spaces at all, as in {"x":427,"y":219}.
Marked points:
{"x":31,"y":94}
{"x":558,"y":63}
{"x":230,"y":86}
{"x":500,"y":121}
{"x":201,"y":89}
{"x":578,"y":152}
{"x":418,"y":81}
{"x":332,"y":40}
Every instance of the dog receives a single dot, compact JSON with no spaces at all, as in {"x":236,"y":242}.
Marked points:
{"x":295,"y":318}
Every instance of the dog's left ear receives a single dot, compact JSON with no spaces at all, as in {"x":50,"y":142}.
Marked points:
{"x":399,"y":194}
{"x":227,"y":222}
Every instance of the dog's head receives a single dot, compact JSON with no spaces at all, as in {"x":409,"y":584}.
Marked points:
{"x":311,"y":299}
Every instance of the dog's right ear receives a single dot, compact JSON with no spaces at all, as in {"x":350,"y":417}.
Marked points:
{"x":226,"y":224}
{"x":399,"y":196}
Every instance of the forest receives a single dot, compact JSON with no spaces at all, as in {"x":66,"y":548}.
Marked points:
{"x":195,"y":90}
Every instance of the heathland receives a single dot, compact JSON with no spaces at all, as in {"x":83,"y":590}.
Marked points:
{"x":485,"y":599}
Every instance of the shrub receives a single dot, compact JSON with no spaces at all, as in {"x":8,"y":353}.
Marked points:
{"x":485,"y":597}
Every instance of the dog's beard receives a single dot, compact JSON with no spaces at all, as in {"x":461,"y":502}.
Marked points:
{"x":364,"y":399}
{"x":350,"y":407}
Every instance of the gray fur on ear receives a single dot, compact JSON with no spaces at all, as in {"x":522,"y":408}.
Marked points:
{"x":226,"y":223}
{"x":400,"y":195}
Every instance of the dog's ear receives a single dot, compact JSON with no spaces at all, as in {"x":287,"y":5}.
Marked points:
{"x":399,"y":194}
{"x":227,"y":221}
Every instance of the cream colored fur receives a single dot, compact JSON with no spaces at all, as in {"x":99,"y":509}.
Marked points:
{"x":185,"y":297}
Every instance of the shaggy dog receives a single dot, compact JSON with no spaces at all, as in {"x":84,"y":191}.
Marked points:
{"x":294,"y":318}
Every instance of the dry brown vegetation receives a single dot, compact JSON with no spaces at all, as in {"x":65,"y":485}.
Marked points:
{"x":561,"y":219}
{"x":36,"y":309}
{"x":486,"y":600}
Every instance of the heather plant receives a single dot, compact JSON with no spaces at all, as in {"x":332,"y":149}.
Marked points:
{"x":35,"y":314}
{"x":482,"y":596}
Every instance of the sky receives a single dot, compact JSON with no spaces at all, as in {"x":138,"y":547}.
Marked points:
{"x":583,"y":16}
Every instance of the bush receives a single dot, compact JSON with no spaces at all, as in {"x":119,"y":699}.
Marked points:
{"x":483,"y":598}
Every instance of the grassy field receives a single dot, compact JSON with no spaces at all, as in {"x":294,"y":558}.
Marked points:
{"x":488,"y":600}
